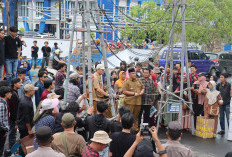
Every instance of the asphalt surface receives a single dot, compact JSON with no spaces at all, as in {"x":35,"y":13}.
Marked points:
{"x":214,"y":147}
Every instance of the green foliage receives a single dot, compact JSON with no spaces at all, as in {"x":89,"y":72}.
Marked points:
{"x":92,"y":35}
{"x":22,"y":29}
{"x":213,"y":20}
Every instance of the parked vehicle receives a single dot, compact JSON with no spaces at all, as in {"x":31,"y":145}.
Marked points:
{"x":30,"y":34}
{"x":196,"y":56}
{"x":45,"y":36}
{"x":213,"y":57}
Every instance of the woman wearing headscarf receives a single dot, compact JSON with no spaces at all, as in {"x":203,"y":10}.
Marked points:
{"x":200,"y":91}
{"x":211,"y":104}
{"x":119,"y":82}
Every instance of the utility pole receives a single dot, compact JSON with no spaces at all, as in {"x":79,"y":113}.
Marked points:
{"x":171,"y":39}
{"x":89,"y":52}
{"x":60,"y":31}
{"x":16,"y":13}
{"x":70,"y":52}
{"x":184,"y":51}
{"x":83,"y":46}
{"x":8,"y":16}
{"x":105,"y":60}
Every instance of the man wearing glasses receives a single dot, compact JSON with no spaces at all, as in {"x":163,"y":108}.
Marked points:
{"x":42,"y":75}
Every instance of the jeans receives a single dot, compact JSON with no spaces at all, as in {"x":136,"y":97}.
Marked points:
{"x":11,"y":68}
{"x":45,"y":59}
{"x":12,"y":134}
{"x":1,"y":71}
{"x":34,"y":62}
{"x":225,"y":109}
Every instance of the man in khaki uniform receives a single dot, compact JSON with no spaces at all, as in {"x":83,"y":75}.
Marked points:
{"x":133,"y":89}
{"x":98,"y":93}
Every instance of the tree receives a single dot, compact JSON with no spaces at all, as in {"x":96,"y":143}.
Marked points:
{"x":213,"y":21}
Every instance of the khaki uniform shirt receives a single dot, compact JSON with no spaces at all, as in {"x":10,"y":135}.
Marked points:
{"x":75,"y":143}
{"x":97,"y":83}
{"x":133,"y":86}
{"x":175,"y":149}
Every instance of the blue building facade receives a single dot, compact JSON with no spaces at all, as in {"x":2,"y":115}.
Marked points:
{"x":44,"y":14}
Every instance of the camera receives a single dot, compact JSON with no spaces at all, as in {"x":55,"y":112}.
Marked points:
{"x":145,"y":129}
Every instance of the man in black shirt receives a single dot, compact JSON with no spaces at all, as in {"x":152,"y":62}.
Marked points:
{"x":98,"y":121}
{"x":2,"y":52}
{"x":25,"y":111}
{"x":12,"y":53}
{"x":13,"y":109}
{"x":122,"y":141}
{"x":116,"y":125}
{"x":224,"y":87}
{"x":34,"y":53}
{"x":46,"y":54}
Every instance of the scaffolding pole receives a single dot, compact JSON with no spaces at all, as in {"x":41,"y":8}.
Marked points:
{"x":70,"y":53}
{"x":89,"y":52}
{"x":105,"y":62}
{"x":83,"y":47}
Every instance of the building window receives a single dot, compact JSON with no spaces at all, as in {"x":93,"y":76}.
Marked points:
{"x":39,"y":9}
{"x":23,"y":9}
{"x":121,"y":13}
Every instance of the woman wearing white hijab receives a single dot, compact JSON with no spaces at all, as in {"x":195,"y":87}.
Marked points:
{"x":211,"y":104}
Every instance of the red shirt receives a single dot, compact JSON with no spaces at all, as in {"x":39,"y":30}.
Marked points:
{"x":90,"y":152}
{"x":44,"y":94}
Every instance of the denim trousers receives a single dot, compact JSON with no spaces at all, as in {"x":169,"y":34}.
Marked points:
{"x":11,"y":68}
{"x":12,"y":134}
{"x":45,"y":59}
{"x":1,"y":71}
{"x":224,"y":110}
{"x":34,"y":62}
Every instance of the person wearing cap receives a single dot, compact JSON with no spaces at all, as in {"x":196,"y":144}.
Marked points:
{"x":49,"y":86}
{"x":60,"y":75}
{"x":99,"y":92}
{"x":42,"y":75}
{"x":133,"y":90}
{"x":98,"y":143}
{"x":44,"y":139}
{"x":75,"y":143}
{"x":46,"y":50}
{"x":25,"y":112}
{"x":5,"y":95}
{"x":48,"y":112}
{"x":56,"y":59}
{"x":73,"y":90}
{"x":12,"y":53}
{"x":13,"y":109}
{"x":173,"y":146}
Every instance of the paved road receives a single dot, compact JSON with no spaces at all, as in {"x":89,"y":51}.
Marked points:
{"x":216,"y":147}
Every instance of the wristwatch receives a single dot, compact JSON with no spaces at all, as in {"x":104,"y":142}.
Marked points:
{"x":162,"y":152}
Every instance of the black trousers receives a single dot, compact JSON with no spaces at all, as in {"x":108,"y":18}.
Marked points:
{"x":2,"y":141}
{"x":146,"y":115}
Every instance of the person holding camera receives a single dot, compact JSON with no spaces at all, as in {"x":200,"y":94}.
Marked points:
{"x":143,"y":148}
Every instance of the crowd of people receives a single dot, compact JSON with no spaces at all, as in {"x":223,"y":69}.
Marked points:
{"x":78,"y":128}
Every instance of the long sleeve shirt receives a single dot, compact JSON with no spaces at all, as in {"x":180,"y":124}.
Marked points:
{"x":3,"y":115}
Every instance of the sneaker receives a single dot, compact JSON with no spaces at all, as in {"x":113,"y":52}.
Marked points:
{"x":221,"y":132}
